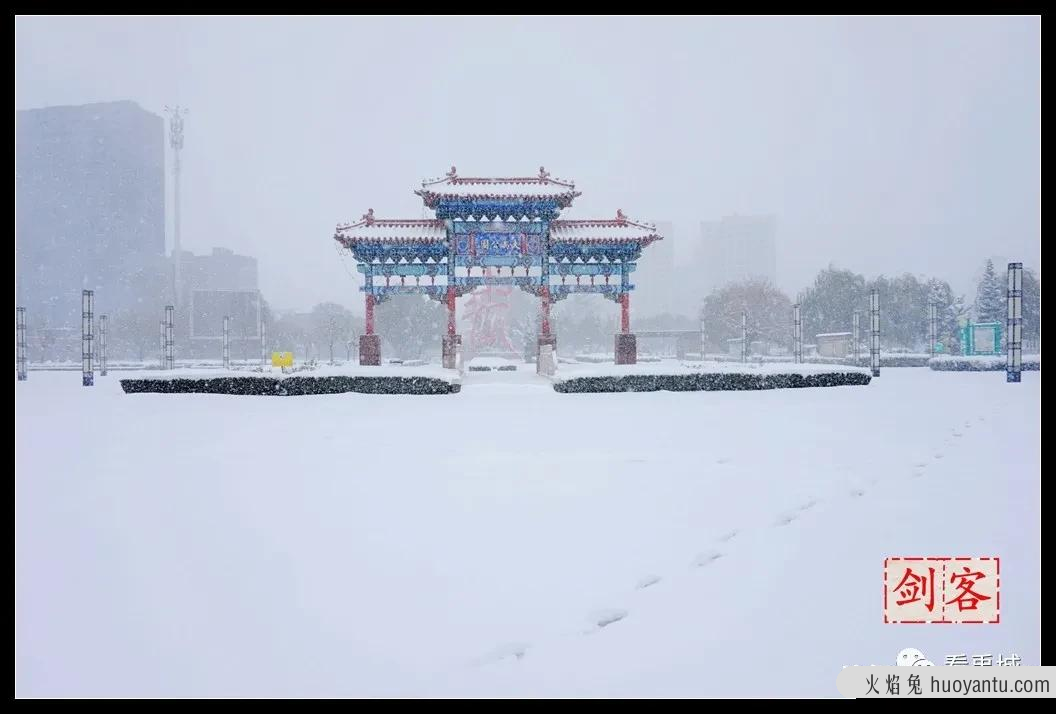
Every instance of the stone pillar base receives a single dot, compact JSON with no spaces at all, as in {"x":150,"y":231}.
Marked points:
{"x":449,"y":349}
{"x":626,"y":348}
{"x":370,"y":350}
{"x":546,"y":357}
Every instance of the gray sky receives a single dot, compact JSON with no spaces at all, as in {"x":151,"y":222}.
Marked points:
{"x":882,"y":144}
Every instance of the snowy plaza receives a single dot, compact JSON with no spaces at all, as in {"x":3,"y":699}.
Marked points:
{"x":545,"y":357}
{"x":508,"y":540}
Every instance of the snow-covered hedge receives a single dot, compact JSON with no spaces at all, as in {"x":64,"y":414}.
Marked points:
{"x":709,"y":381}
{"x":886,"y":360}
{"x":607,"y":358}
{"x":368,"y":385}
{"x":947,"y":363}
{"x":892,"y":359}
{"x":294,"y":385}
{"x":203,"y":385}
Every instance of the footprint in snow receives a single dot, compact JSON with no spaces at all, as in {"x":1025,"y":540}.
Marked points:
{"x":723,"y":460}
{"x":939,"y":456}
{"x":647,"y":581}
{"x":785,"y":519}
{"x":857,"y":493}
{"x":727,"y":537}
{"x":706,"y":558}
{"x":510,"y":650}
{"x":808,"y":505}
{"x":604,"y":618}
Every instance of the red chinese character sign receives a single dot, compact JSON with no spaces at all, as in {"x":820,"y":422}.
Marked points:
{"x":957,"y":590}
{"x":487,"y":310}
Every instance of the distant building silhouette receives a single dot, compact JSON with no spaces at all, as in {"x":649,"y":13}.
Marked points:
{"x":89,"y":209}
{"x":736,"y":248}
{"x":654,"y":277}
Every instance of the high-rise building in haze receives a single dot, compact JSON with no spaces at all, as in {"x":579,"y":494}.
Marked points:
{"x":222,"y":269}
{"x":654,"y":277}
{"x":737,"y":248}
{"x":89,"y":209}
{"x":216,"y":285}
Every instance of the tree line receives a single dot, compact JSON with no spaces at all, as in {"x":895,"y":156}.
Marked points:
{"x":410,"y":325}
{"x":828,"y":304}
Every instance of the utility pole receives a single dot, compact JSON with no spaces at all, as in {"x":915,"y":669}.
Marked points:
{"x":176,"y":142}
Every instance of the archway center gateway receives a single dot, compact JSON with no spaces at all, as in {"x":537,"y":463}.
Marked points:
{"x":496,"y":231}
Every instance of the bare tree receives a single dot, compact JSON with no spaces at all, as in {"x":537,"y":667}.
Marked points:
{"x":331,"y":324}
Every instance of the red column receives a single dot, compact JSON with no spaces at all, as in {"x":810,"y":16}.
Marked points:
{"x":370,"y":314}
{"x":625,"y":312}
{"x":451,"y":310}
{"x":546,"y":311}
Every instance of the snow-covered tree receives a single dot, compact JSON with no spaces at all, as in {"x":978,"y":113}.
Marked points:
{"x":950,"y":308}
{"x":991,"y":296}
{"x":584,"y":323}
{"x":526,"y":325}
{"x":769,"y":313}
{"x":903,"y":311}
{"x":333,"y":325}
{"x":1031,"y":305}
{"x":829,"y":304}
{"x":412,"y":325}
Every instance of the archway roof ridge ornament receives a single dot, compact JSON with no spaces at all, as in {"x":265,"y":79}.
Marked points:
{"x":543,"y":178}
{"x":391,"y":223}
{"x":620,"y":220}
{"x":426,"y":222}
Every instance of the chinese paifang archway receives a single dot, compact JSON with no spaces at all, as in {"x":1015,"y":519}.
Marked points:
{"x":496,"y":231}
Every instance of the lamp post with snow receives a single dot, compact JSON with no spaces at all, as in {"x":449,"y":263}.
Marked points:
{"x":1014,"y":328}
{"x":874,"y":331}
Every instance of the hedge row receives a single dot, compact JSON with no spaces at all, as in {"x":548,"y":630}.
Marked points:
{"x":981,"y":365}
{"x":607,"y":359}
{"x":707,"y":382}
{"x":291,"y":386}
{"x":885,"y":360}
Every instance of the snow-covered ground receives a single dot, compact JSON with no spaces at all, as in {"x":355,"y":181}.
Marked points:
{"x":508,"y":540}
{"x":493,"y":362}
